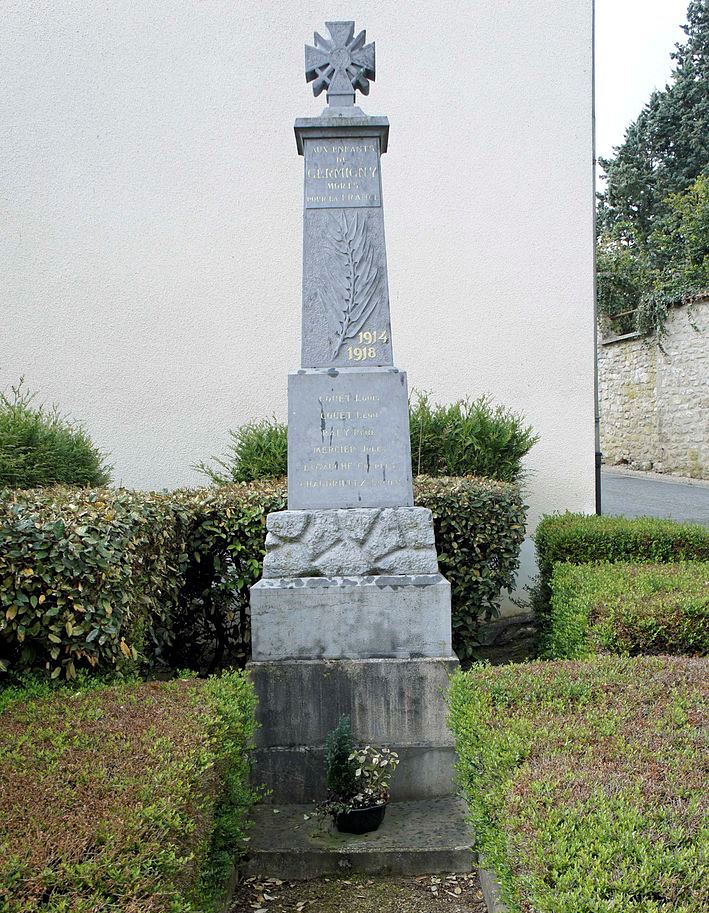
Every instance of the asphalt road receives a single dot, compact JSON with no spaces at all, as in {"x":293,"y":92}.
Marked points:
{"x":631,"y":494}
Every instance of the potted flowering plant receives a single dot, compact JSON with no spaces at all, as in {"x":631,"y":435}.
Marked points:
{"x":358,"y":780}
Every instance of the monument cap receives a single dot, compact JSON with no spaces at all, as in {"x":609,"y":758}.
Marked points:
{"x":340,"y":65}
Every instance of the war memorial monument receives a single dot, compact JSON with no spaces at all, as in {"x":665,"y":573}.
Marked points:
{"x":352,"y":615}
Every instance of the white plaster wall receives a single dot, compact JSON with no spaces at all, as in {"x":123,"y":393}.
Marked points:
{"x":151,"y":215}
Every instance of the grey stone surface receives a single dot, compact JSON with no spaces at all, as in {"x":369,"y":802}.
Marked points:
{"x":365,"y":541}
{"x":345,"y":315}
{"x":350,"y":617}
{"x":297,"y":774}
{"x":353,"y":124}
{"x":414,"y":838}
{"x":348,"y":439}
{"x":340,"y":64}
{"x":394,"y":702}
{"x":389,"y":701}
{"x":625,"y":494}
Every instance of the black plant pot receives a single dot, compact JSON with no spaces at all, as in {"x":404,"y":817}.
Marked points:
{"x":360,"y":820}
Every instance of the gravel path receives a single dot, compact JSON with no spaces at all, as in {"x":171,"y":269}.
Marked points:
{"x":361,"y":894}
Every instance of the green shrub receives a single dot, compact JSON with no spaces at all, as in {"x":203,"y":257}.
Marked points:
{"x":469,"y":437}
{"x":479,"y":526}
{"x":40,"y":447}
{"x":339,"y":770}
{"x":107,"y":578}
{"x":582,"y":538}
{"x":225,"y":536}
{"x":87,"y":578}
{"x":628,"y":608}
{"x":585,"y":781}
{"x":258,"y":450}
{"x":123,"y":798}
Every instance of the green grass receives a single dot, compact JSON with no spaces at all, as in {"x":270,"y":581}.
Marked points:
{"x":122,"y":797}
{"x":628,"y":608}
{"x":585,"y":782}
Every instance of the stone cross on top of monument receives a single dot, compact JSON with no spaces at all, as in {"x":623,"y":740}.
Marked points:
{"x":340,"y":64}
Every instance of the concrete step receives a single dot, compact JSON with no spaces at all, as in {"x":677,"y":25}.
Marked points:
{"x":415,"y":838}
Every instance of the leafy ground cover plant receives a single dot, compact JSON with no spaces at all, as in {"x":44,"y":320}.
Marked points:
{"x":468,"y":437}
{"x":110,"y":579}
{"x":586,"y":781}
{"x":584,"y":538}
{"x":629,"y":608}
{"x":39,"y":446}
{"x":124,"y":797}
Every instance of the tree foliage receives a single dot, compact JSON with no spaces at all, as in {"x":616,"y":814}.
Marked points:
{"x":653,"y":216}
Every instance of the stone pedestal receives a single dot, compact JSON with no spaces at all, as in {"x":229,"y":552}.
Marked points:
{"x":395,"y":702}
{"x":362,"y":641}
{"x":400,"y":616}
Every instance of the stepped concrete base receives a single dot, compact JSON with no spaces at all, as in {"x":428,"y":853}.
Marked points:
{"x":416,"y":838}
{"x":395,"y":702}
{"x":297,"y":775}
{"x":401,"y":615}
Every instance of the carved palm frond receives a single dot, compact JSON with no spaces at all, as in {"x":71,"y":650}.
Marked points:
{"x":350,"y":290}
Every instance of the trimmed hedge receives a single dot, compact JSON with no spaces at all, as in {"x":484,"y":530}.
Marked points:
{"x":586,"y":781}
{"x":87,"y":578}
{"x":479,"y":526}
{"x":583,"y":538}
{"x":129,"y":797}
{"x":630,"y":609}
{"x":109,"y":578}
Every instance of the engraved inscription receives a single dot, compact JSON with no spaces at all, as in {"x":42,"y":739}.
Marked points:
{"x":341,"y":173}
{"x":351,"y":447}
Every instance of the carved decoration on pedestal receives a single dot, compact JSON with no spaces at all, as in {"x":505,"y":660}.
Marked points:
{"x":350,"y":287}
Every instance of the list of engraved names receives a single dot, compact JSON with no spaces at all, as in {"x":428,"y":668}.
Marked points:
{"x":351,"y":447}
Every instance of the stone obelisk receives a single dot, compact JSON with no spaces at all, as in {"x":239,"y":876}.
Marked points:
{"x":352,"y":615}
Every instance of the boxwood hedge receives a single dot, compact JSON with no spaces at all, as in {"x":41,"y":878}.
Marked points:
{"x":629,"y":608}
{"x":110,"y":578}
{"x":586,"y":781}
{"x":583,"y":538}
{"x":127,"y":797}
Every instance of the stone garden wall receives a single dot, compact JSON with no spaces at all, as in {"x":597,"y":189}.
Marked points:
{"x":654,"y":404}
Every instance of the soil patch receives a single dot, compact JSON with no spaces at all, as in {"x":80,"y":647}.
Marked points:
{"x":362,"y":894}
